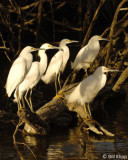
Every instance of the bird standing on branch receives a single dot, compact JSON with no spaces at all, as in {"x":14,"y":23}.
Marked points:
{"x":33,"y":76}
{"x":87,"y":89}
{"x":58,"y":63}
{"x":19,"y":70}
{"x":87,"y":54}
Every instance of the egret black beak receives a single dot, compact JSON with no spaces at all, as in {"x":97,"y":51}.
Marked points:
{"x":73,"y":41}
{"x":112,"y":70}
{"x":36,"y":49}
{"x":103,"y":39}
{"x":54,"y":47}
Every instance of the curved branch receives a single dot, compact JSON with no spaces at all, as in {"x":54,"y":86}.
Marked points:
{"x":93,"y":22}
{"x":112,"y":30}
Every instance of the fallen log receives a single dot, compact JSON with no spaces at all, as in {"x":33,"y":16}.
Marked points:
{"x":39,"y":122}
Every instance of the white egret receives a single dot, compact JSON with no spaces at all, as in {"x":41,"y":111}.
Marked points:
{"x":66,"y":52}
{"x":87,"y":89}
{"x":19,"y":69}
{"x":33,"y":76}
{"x":53,"y":69}
{"x":58,"y":63}
{"x":87,"y":54}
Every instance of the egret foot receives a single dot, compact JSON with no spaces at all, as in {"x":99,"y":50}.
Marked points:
{"x":59,"y":95}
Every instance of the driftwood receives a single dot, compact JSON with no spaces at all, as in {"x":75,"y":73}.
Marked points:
{"x":39,"y":122}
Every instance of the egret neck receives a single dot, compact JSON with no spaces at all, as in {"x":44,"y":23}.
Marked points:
{"x":94,"y":47}
{"x":28,"y":57}
{"x":101,"y":78}
{"x":65,"y":54}
{"x":43,"y":61}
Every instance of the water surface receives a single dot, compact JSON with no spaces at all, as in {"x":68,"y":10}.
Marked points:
{"x":71,"y":143}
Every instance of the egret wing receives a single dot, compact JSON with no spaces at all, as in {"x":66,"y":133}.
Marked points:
{"x":53,"y":68}
{"x":16,"y":75}
{"x":81,"y":56}
{"x":31,"y":78}
{"x":83,"y":92}
{"x":88,"y":85}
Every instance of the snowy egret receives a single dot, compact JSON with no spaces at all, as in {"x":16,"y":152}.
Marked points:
{"x":57,"y":63}
{"x":86,"y":90}
{"x":87,"y":54}
{"x":66,"y":52}
{"x":53,"y":69}
{"x":33,"y":76}
{"x":19,"y":69}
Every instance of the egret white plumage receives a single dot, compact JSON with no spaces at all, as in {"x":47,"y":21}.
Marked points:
{"x":53,"y":69}
{"x":33,"y":76}
{"x":66,"y":52}
{"x":87,"y":54}
{"x":87,"y":89}
{"x":19,"y":69}
{"x":57,"y":63}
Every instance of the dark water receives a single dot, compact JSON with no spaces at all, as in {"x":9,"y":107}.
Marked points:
{"x":71,"y":143}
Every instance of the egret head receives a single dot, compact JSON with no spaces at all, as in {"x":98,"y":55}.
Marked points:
{"x":97,"y":38}
{"x":27,"y":50}
{"x":67,"y":41}
{"x":103,"y":69}
{"x":45,"y":47}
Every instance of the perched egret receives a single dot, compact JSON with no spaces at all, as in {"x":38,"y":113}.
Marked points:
{"x":33,"y":76}
{"x":57,"y":63}
{"x":53,"y":69}
{"x":66,"y":52}
{"x":19,"y":69}
{"x":87,"y":54}
{"x":86,"y":90}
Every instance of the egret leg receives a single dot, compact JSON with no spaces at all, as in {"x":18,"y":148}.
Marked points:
{"x":88,"y":106}
{"x":18,"y":98}
{"x":26,"y":98}
{"x":85,"y":109}
{"x":56,"y":84}
{"x":59,"y":80}
{"x":86,"y":72}
{"x":23,"y":102}
{"x":30,"y":100}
